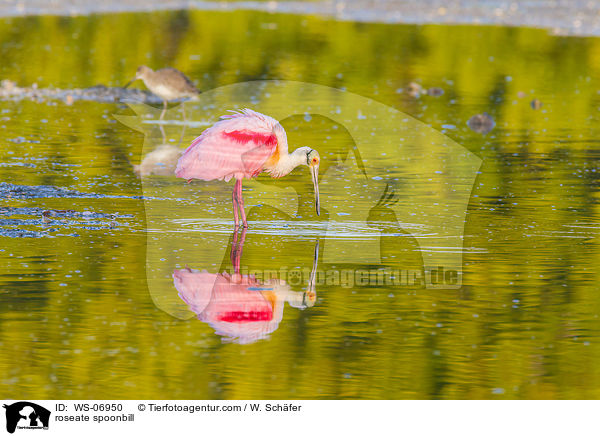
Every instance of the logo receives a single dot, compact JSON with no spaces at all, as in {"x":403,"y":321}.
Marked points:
{"x":394,"y":194}
{"x":26,"y":415}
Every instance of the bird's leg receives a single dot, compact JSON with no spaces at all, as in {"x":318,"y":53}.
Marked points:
{"x":242,"y":240}
{"x":233,"y":253}
{"x":236,"y":254}
{"x":160,"y":126}
{"x":162,"y":133}
{"x":239,"y":248}
{"x":184,"y":125}
{"x":241,"y":204}
{"x":235,"y":204}
{"x":164,"y":111}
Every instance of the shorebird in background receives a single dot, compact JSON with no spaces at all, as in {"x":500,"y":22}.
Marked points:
{"x":242,"y":145}
{"x":168,"y":83}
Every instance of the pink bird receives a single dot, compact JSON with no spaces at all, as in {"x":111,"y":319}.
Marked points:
{"x":242,"y":145}
{"x":239,"y":307}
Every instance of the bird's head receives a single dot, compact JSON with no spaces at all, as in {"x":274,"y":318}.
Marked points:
{"x":140,"y":73}
{"x":301,"y":300}
{"x":312,"y":158}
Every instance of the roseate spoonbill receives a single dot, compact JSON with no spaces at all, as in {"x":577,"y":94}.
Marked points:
{"x":240,"y":307}
{"x":242,"y":145}
{"x":168,"y":83}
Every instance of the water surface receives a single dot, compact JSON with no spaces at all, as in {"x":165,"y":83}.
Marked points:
{"x":79,"y":319}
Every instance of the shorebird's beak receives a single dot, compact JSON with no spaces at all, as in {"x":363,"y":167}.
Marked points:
{"x":315,"y":178}
{"x":130,"y":82}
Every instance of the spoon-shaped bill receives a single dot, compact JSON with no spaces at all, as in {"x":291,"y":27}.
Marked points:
{"x":311,"y":293}
{"x":315,"y":179}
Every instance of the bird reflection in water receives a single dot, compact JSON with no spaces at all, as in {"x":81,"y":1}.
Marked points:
{"x":159,"y":162}
{"x":239,"y":307}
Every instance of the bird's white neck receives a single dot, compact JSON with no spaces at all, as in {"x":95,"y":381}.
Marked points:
{"x":287,"y":162}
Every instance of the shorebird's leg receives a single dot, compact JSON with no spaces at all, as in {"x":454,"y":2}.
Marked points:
{"x":163,"y":134}
{"x":235,"y":204}
{"x":164,"y":111}
{"x":241,"y":204}
{"x":184,"y":125}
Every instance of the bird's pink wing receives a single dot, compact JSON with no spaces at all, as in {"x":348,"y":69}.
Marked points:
{"x":195,"y":288}
{"x":237,"y":310}
{"x":237,"y":146}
